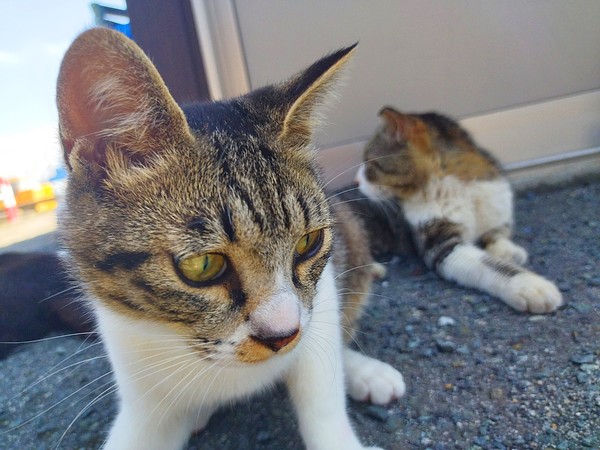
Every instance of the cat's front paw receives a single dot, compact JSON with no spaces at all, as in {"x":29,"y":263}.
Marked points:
{"x":369,"y":379}
{"x":507,"y":250}
{"x":533,"y":293}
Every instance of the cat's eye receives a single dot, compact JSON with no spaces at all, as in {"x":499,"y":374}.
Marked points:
{"x":202,"y":268}
{"x":309,"y":244}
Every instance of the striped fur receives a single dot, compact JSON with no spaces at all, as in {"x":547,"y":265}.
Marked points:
{"x":152,"y":185}
{"x":457,"y":203}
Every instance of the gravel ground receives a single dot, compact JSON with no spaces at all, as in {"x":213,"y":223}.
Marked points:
{"x":479,"y":375}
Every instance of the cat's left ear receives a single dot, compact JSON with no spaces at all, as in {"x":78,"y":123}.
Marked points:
{"x":111,"y":97}
{"x":401,"y":127}
{"x":306,"y":92}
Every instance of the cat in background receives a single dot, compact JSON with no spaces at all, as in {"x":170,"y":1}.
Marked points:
{"x":457,"y":203}
{"x":208,"y":250}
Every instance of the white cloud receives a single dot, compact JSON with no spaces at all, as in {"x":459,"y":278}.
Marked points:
{"x":9,"y":58}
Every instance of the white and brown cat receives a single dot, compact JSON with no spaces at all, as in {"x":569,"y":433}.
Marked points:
{"x":208,"y":250}
{"x":457,"y":203}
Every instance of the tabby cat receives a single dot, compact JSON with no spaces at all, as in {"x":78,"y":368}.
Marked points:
{"x":457,"y":203}
{"x":208,"y":250}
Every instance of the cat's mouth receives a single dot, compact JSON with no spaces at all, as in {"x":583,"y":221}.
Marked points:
{"x":256,"y":349}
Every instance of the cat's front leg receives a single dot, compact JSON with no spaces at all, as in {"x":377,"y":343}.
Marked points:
{"x":316,"y":378}
{"x":316,"y":385}
{"x":202,"y":417}
{"x":507,"y":250}
{"x":140,"y":427}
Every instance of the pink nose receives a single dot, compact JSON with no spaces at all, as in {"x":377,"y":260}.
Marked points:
{"x":276,"y":343}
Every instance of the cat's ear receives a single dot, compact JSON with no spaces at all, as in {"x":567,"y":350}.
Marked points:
{"x":401,"y":127}
{"x":109,"y":95}
{"x":306,"y":92}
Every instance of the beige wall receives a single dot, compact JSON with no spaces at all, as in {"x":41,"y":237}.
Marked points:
{"x":479,"y":60}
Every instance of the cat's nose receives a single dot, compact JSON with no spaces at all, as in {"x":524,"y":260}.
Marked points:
{"x":276,"y":322}
{"x":277,"y":342}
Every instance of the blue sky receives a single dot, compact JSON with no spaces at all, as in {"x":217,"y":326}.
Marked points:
{"x":33,"y":37}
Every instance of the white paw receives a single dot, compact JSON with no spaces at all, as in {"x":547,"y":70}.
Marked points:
{"x":533,"y":293}
{"x":368,"y":379}
{"x":507,"y":250}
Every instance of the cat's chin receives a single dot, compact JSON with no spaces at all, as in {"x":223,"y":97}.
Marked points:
{"x":368,"y":189}
{"x":372,"y":192}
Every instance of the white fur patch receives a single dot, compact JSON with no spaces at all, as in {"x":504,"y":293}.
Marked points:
{"x":478,"y":206}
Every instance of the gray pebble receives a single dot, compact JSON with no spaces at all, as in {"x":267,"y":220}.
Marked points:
{"x":587,"y":358}
{"x":582,"y":377}
{"x":445,"y":321}
{"x":583,"y":308}
{"x":263,"y":436}
{"x":445,"y":346}
{"x":564,"y":286}
{"x":378,"y":413}
{"x":496,"y":393}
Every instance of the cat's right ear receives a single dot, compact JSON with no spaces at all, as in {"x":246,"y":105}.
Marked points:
{"x":113,"y":103}
{"x":399,"y":126}
{"x":304,"y":93}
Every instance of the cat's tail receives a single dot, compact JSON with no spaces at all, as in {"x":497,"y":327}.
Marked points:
{"x":443,"y":249}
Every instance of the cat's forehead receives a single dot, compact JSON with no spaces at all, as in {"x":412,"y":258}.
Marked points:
{"x":237,"y":118}
{"x":238,"y":182}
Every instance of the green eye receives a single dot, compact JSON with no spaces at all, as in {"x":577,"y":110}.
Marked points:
{"x":203,"y":268}
{"x":309,"y":244}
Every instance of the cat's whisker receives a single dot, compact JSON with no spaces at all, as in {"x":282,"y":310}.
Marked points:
{"x":345,"y":191}
{"x":201,"y":374}
{"x":350,"y":200}
{"x":77,"y":364}
{"x":107,"y":392}
{"x":50,"y":338}
{"x":372,"y":294}
{"x":53,"y":372}
{"x":373,"y":264}
{"x":218,"y":372}
{"x":354,"y":167}
{"x":195,"y":377}
{"x":135,"y":376}
{"x":321,"y":338}
{"x":50,"y":408}
{"x":64,"y":291}
{"x":349,"y":307}
{"x":149,"y":370}
{"x":174,"y":388}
